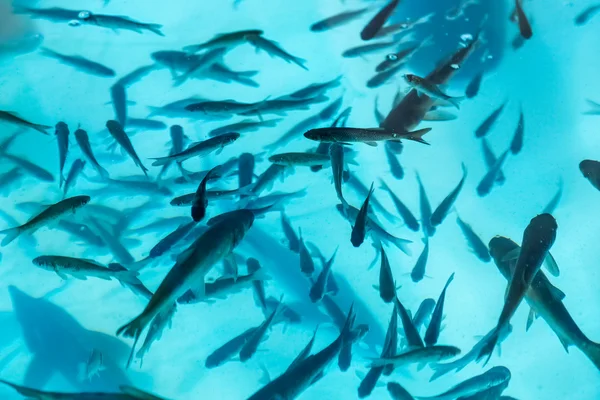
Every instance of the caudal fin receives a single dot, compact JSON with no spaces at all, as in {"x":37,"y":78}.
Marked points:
{"x":417,"y":136}
{"x":156,"y":28}
{"x":11,"y":234}
{"x":592,"y":351}
{"x":128,"y":276}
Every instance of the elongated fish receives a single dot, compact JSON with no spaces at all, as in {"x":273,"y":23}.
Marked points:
{"x":214,"y":144}
{"x":418,"y":272}
{"x":359,"y":230}
{"x":14,"y":119}
{"x":387,"y":284}
{"x":522,"y":21}
{"x":491,"y":378}
{"x":397,"y":392}
{"x":299,"y":159}
{"x":433,"y":330}
{"x":118,"y":96}
{"x":591,"y":171}
{"x":538,"y":238}
{"x":411,"y":333}
{"x":516,"y":143}
{"x":82,"y":268}
{"x":62,"y":138}
{"x":476,"y":245}
{"x":117,"y":22}
{"x":216,"y":243}
{"x":431,"y":89}
{"x":317,"y":290}
{"x":83,"y":141}
{"x":425,"y":209}
{"x":487,"y":182}
{"x":490,"y":160}
{"x":117,"y":132}
{"x":337,"y":20}
{"x":407,"y":216}
{"x":80,"y":63}
{"x":200,"y":200}
{"x":487,"y":124}
{"x":74,"y":172}
{"x":55,"y":211}
{"x":378,"y":21}
{"x":443,"y":209}
{"x":256,"y":337}
{"x":472,"y":88}
{"x":226,"y":40}
{"x":431,"y":354}
{"x":272,"y":48}
{"x":368,"y":136}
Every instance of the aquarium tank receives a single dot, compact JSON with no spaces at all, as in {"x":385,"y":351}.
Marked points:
{"x":318,"y":199}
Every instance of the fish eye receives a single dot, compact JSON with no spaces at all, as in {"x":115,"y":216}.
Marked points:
{"x":84,"y":15}
{"x":392,"y":57}
{"x":74,"y":22}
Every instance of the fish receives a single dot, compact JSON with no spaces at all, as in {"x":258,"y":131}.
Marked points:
{"x":425,"y":209}
{"x":487,"y":182}
{"x":272,"y":48}
{"x":83,"y":141}
{"x":430,"y":354}
{"x":545,"y":300}
{"x":228,"y":350}
{"x":117,"y":132}
{"x":136,"y":75}
{"x":50,"y":213}
{"x":418,"y":272}
{"x":199,"y":66}
{"x":199,"y":149}
{"x":461,"y":363}
{"x":392,"y":158}
{"x":224,"y":40}
{"x":92,"y":367}
{"x":554,"y":201}
{"x":403,"y":26}
{"x":476,"y":245}
{"x":423,"y":314}
{"x":383,"y":77}
{"x":472,"y":88}
{"x":178,"y":139}
{"x":80,"y":63}
{"x":523,"y":22}
{"x":315,"y":90}
{"x":14,"y":119}
{"x":345,"y":356}
{"x":251,"y":345}
{"x":62,"y":138}
{"x":397,"y":392}
{"x":433,"y":330}
{"x":118,"y":22}
{"x":491,"y":378}
{"x":216,"y":243}
{"x":387,"y":284}
{"x":398,"y":57}
{"x":359,"y":230}
{"x":29,"y":167}
{"x":413,"y":338}
{"x":53,"y":14}
{"x":200,"y":200}
{"x":516,"y":143}
{"x":538,"y":238}
{"x":307,"y":264}
{"x":368,"y":136}
{"x":76,"y":169}
{"x":591,"y":171}
{"x":430,"y":89}
{"x":338,"y":20}
{"x":246,"y":125}
{"x":484,"y":128}
{"x":118,"y":96}
{"x":299,"y":159}
{"x":378,"y":21}
{"x":112,"y":241}
{"x":407,"y":216}
{"x":441,"y":212}
{"x":490,"y":159}
{"x":82,"y":268}
{"x":336,"y":156}
{"x":318,"y":289}
{"x":290,"y":234}
{"x":583,"y":17}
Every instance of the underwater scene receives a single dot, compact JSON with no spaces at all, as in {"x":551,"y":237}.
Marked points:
{"x":317,"y":199}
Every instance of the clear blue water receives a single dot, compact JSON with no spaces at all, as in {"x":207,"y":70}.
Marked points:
{"x":50,"y":325}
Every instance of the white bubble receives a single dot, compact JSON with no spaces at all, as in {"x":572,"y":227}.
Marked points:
{"x":466,"y":37}
{"x":454,"y":66}
{"x":84,"y":14}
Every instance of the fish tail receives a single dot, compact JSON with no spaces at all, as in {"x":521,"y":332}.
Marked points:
{"x":417,"y":136}
{"x":11,"y":234}
{"x":488,"y":347}
{"x":156,"y":28}
{"x":40,"y":128}
{"x":592,"y":351}
{"x":455,"y":101}
{"x":160,"y":161}
{"x":134,"y":328}
{"x":127,"y":276}
{"x":103,"y":172}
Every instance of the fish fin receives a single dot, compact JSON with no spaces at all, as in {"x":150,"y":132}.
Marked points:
{"x":556,"y":292}
{"x":376,"y":287}
{"x":455,"y":101}
{"x":530,"y":318}
{"x":512,"y":255}
{"x":565,"y":343}
{"x":11,"y":234}
{"x":127,"y":276}
{"x":592,"y":351}
{"x":551,"y":265}
{"x":417,"y":136}
{"x":372,"y":144}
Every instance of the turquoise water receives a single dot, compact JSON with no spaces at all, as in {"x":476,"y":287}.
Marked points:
{"x":51,"y":325}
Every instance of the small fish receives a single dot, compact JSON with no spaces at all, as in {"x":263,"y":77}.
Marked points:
{"x":83,"y":141}
{"x":290,"y":234}
{"x":299,"y":159}
{"x":591,"y":171}
{"x":146,"y":124}
{"x":252,"y":342}
{"x":395,"y":167}
{"x":413,"y":338}
{"x":397,"y":392}
{"x":118,"y":96}
{"x":483,"y":129}
{"x":80,"y":63}
{"x":430,"y":89}
{"x":246,"y":125}
{"x":336,"y":156}
{"x":404,"y":26}
{"x":62,"y":137}
{"x":383,"y":77}
{"x":553,"y":203}
{"x":517,"y":141}
{"x":54,"y":14}
{"x":493,"y":377}
{"x":117,"y":132}
{"x":370,"y":136}
{"x":476,"y":245}
{"x":487,"y":182}
{"x":318,"y":289}
{"x":272,"y":48}
{"x":524,"y":25}
{"x":387,"y":285}
{"x":407,"y":216}
{"x":246,"y":163}
{"x":199,"y":149}
{"x":200,"y":200}
{"x":378,"y":21}
{"x":538,"y":238}
{"x":423,"y":313}
{"x":74,"y":171}
{"x":433,"y":330}
{"x":315,"y":89}
{"x":29,"y":167}
{"x":490,"y":159}
{"x":12,"y":118}
{"x":82,"y":269}
{"x":117,"y":22}
{"x":431,"y":354}
{"x":583,"y":17}
{"x":307,"y":265}
{"x":224,"y":40}
{"x":472,"y":88}
{"x":425,"y":208}
{"x":167,"y":243}
{"x":418,"y":272}
{"x":136,"y":75}
{"x":441,"y":212}
{"x":228,"y":350}
{"x":376,"y":47}
{"x":91,"y":368}
{"x":359,"y":229}
{"x":266,"y":179}
{"x":52,"y":212}
{"x":337,"y":20}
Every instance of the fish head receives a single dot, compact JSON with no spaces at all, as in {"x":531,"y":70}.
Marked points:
{"x":43,"y":262}
{"x":315,"y":134}
{"x":499,"y":247}
{"x":589,"y":168}
{"x":411,"y":79}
